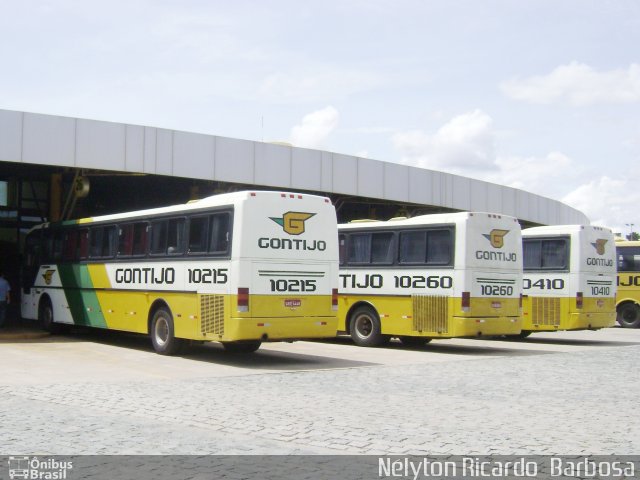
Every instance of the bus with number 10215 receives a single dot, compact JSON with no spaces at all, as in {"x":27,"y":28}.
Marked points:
{"x":430,"y":276}
{"x":239,"y":268}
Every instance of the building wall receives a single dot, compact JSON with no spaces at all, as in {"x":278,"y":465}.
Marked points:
{"x":70,"y":142}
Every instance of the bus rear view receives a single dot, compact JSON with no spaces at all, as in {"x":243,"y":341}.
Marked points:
{"x":569,"y":278}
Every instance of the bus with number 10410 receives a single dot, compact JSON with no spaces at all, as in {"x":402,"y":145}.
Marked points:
{"x":430,"y":276}
{"x":569,"y":278}
{"x":239,"y":268}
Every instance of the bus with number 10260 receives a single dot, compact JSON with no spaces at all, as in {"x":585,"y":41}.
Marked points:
{"x":239,"y":268}
{"x":430,"y":276}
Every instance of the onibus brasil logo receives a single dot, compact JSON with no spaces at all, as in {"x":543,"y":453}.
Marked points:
{"x":599,"y":245}
{"x":293,"y":222}
{"x":496,"y":237}
{"x":33,"y":468}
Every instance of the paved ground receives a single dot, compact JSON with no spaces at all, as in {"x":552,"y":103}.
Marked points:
{"x":108,"y":393}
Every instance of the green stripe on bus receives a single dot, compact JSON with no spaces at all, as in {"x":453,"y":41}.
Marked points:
{"x":81,"y":297}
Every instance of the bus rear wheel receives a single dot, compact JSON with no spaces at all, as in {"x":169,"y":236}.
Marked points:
{"x":163,"y":333}
{"x":242,"y":347}
{"x":629,"y":315}
{"x":365,"y":328}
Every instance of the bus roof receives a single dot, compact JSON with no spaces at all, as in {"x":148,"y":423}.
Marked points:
{"x":623,"y":242}
{"x":223,"y":199}
{"x":430,"y":219}
{"x":561,"y":230}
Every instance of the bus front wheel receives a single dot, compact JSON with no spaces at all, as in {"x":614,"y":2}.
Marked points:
{"x":365,"y":328}
{"x":45,"y":317}
{"x":629,"y":315}
{"x":163,"y":333}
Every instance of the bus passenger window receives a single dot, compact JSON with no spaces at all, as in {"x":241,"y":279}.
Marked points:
{"x":139,"y":238}
{"x":359,"y":248}
{"x":158,"y":238}
{"x":83,"y":244}
{"x":219,"y":233}
{"x":342,"y":249}
{"x":413,"y":247}
{"x":175,"y":236}
{"x":439,"y":247}
{"x":198,"y":234}
{"x":381,"y":248}
{"x":554,"y":254}
{"x":125,"y":241}
{"x":102,"y":242}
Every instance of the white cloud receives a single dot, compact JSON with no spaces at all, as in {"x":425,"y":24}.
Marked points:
{"x":577,"y":84}
{"x":611,"y":202}
{"x":315,"y":128}
{"x":464,"y":144}
{"x":548,"y":175}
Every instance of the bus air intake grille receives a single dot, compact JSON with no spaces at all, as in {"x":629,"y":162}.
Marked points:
{"x":212,"y":314}
{"x":545,"y":311}
{"x":430,"y":313}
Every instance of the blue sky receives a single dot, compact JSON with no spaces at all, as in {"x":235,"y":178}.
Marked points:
{"x":540,"y":95}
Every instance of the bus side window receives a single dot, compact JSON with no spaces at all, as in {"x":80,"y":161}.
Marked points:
{"x":83,"y":244}
{"x":382,"y":248}
{"x":439,"y":247}
{"x":69,"y":252}
{"x":532,"y":254}
{"x":219,"y":234}
{"x":125,"y":241}
{"x":628,"y":259}
{"x":342,"y":249}
{"x":102,"y":242}
{"x":198,"y":234}
{"x":554,"y":254}
{"x":158,"y":244}
{"x":413,"y":247}
{"x":175,"y":236}
{"x":140,"y":238}
{"x":359,"y":248}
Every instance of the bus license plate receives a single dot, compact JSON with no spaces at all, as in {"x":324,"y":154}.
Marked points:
{"x":292,"y":302}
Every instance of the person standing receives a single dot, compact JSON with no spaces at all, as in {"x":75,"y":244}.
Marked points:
{"x":5,"y":297}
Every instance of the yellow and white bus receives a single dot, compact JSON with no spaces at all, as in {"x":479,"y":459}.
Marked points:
{"x":628,"y":296}
{"x":569,"y":278}
{"x":430,"y":276}
{"x":238,"y":268}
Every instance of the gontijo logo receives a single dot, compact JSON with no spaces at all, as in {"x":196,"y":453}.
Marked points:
{"x":48,"y":275}
{"x":496,"y":237}
{"x":293,"y":222}
{"x":599,"y":245}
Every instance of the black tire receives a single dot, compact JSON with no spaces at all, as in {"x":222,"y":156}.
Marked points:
{"x":523,"y":334}
{"x":364,"y":327}
{"x":629,"y":315}
{"x":414,"y":342}
{"x":45,"y":317}
{"x":242,"y":347}
{"x":162,"y":333}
